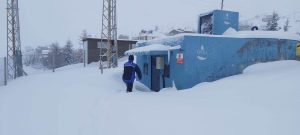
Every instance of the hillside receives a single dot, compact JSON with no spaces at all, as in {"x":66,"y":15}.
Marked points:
{"x":294,"y":21}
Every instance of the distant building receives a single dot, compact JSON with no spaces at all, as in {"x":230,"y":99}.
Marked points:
{"x":149,"y":35}
{"x":179,"y":31}
{"x":45,"y":53}
{"x":92,"y":48}
{"x":123,"y":37}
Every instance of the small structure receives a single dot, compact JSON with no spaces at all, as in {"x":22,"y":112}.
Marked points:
{"x":186,"y":60}
{"x":149,"y":35}
{"x":92,"y":48}
{"x":178,"y":31}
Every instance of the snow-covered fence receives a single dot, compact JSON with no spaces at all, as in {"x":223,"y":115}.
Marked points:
{"x":3,"y":78}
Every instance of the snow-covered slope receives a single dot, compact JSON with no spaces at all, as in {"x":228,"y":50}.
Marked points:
{"x":294,"y":21}
{"x":264,"y":100}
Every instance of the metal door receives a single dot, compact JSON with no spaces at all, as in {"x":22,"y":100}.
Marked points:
{"x":155,"y":75}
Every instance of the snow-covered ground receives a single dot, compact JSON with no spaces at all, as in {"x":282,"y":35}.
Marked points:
{"x":264,"y":100}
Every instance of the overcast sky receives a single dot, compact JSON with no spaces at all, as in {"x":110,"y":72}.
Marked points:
{"x":47,"y":21}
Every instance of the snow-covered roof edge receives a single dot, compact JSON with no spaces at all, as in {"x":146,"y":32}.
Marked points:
{"x":152,"y":47}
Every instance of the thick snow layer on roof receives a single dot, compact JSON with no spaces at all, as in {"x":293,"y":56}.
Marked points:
{"x":153,"y":47}
{"x":250,"y":34}
{"x":261,"y":34}
{"x":230,"y":33}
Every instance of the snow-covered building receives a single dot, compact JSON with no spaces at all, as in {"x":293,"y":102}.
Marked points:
{"x":217,"y":51}
{"x":149,"y":35}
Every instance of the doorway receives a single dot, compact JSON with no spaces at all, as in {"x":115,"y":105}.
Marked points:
{"x":155,"y":75}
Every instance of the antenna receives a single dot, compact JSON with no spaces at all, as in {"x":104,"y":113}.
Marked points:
{"x":222,"y":4}
{"x":108,"y":44}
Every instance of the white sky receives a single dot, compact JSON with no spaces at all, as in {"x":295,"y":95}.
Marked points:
{"x":44,"y":22}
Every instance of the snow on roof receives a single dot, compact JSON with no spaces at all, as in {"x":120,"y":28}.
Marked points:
{"x":250,"y":34}
{"x":149,"y":48}
{"x":230,"y":31}
{"x":263,"y":34}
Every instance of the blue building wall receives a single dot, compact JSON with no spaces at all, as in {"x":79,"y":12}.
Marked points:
{"x":221,"y":21}
{"x":146,"y":79}
{"x":227,"y":56}
{"x":208,"y":59}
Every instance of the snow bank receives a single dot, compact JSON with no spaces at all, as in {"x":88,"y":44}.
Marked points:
{"x":264,"y":100}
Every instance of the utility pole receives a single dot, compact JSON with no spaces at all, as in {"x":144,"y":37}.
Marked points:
{"x":14,"y":54}
{"x":222,"y":4}
{"x":109,"y":49}
{"x":5,"y":71}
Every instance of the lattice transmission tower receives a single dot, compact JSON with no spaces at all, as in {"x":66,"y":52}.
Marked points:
{"x":108,"y":45}
{"x":14,"y":54}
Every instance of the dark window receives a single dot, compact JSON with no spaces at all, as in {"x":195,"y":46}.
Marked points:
{"x":146,"y":68}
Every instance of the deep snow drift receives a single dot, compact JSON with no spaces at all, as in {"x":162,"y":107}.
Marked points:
{"x":264,"y":100}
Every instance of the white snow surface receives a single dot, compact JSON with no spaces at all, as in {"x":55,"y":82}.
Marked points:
{"x":264,"y":100}
{"x":230,"y":31}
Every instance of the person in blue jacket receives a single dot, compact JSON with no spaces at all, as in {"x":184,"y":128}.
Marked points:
{"x":130,"y":69}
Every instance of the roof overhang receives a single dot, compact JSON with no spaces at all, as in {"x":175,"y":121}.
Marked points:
{"x":154,"y":49}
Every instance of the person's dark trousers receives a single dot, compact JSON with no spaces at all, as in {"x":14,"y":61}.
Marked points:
{"x":129,"y":87}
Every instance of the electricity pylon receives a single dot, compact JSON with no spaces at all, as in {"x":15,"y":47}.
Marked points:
{"x":14,"y":54}
{"x":222,"y":4}
{"x":109,"y":49}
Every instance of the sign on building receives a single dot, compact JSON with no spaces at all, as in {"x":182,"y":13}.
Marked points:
{"x":179,"y":58}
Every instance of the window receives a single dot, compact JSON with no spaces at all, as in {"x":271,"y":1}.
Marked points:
{"x":145,"y":68}
{"x":102,"y":45}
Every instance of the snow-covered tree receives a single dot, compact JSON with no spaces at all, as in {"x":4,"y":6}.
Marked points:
{"x":68,"y":52}
{"x":78,"y":56}
{"x":286,"y":25}
{"x":272,"y":22}
{"x":54,"y":56}
{"x":83,"y":35}
{"x":244,"y":26}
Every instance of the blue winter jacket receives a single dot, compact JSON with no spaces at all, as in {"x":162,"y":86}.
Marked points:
{"x":130,"y":69}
